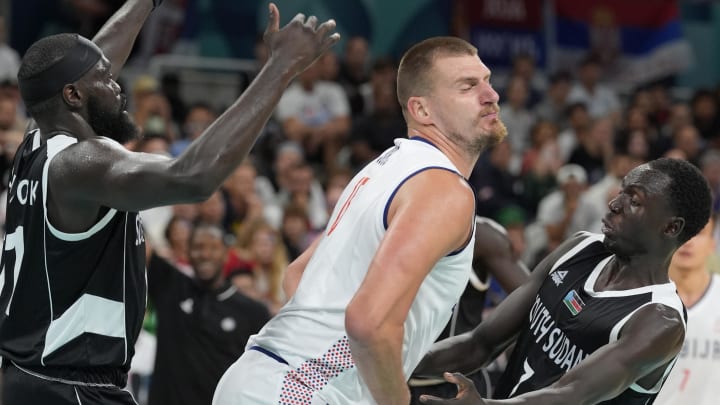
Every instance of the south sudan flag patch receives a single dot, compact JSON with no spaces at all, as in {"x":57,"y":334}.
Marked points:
{"x":573,"y":302}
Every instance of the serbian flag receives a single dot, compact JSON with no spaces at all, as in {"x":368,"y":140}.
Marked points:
{"x":638,"y":41}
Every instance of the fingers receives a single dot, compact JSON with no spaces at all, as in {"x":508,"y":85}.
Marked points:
{"x":326,"y":27}
{"x":462,"y":382}
{"x":299,"y":18}
{"x":274,"y":19}
{"x":431,"y":400}
{"x":312,"y":22}
{"x":330,"y":41}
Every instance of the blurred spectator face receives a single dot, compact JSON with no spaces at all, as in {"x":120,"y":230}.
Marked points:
{"x":11,"y":140}
{"x":589,"y":74}
{"x":559,"y":91}
{"x":385,"y":100}
{"x":638,"y":146}
{"x":524,"y":66}
{"x":212,"y":210}
{"x":517,"y":92}
{"x":680,"y":115}
{"x":187,"y":212}
{"x":329,"y":66}
{"x":621,"y":165}
{"x":356,"y":53}
{"x":637,"y":119}
{"x":207,"y":254}
{"x":642,"y":100}
{"x":687,"y":139}
{"x":705,"y":107}
{"x":300,"y":178}
{"x":197,"y":121}
{"x":694,"y":254}
{"x":288,"y":156}
{"x":156,"y":145}
{"x":263,"y":245}
{"x":310,"y":76}
{"x":711,"y":169}
{"x":572,"y":188}
{"x":242,"y":180}
{"x":178,"y":235}
{"x":543,"y":132}
{"x":8,"y":113}
{"x":579,"y":118}
{"x":295,"y":226}
{"x":602,"y":131}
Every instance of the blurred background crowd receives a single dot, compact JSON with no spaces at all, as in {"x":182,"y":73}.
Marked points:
{"x":588,"y":90}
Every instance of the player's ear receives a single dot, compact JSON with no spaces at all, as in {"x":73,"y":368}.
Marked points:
{"x":73,"y":96}
{"x":419,"y":110}
{"x":674,"y":227}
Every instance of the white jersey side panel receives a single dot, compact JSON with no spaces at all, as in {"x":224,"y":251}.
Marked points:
{"x":309,"y":331}
{"x":696,"y":375}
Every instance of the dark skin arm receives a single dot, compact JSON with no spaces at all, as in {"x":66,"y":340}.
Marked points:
{"x":494,"y":255}
{"x":473,"y":350}
{"x":647,"y":343}
{"x":118,"y":34}
{"x":111,"y":176}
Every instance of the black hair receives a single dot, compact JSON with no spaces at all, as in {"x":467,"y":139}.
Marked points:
{"x":39,"y":57}
{"x":688,"y":195}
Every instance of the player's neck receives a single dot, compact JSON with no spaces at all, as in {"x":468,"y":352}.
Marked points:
{"x":463,"y":160}
{"x":691,"y":284}
{"x":70,"y":123}
{"x":633,"y":272}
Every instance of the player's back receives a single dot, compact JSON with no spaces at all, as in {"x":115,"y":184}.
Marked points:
{"x":309,"y":332}
{"x":68,"y":300}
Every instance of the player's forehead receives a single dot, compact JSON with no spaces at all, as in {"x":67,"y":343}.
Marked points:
{"x":647,"y":179}
{"x":457,"y":67}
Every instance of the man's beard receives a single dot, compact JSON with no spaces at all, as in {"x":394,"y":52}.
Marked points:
{"x":487,"y":139}
{"x":115,"y":125}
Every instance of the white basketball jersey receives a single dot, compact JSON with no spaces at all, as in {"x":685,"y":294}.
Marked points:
{"x":695,"y":378}
{"x":309,"y":332}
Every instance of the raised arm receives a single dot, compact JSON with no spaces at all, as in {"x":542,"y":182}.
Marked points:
{"x":118,"y":34}
{"x":375,"y":317}
{"x":129,"y":181}
{"x":473,"y":350}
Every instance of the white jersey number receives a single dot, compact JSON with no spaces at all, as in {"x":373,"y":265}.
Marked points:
{"x":13,"y":241}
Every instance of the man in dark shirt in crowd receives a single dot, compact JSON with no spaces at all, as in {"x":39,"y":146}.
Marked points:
{"x":203,"y":322}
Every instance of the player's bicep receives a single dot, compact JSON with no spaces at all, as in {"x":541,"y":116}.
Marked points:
{"x":101,"y":173}
{"x":647,"y":344}
{"x":430,"y":217}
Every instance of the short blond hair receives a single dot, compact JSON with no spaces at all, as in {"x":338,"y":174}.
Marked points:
{"x":414,"y":78}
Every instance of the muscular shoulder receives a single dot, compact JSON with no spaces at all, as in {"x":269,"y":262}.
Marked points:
{"x":490,"y":238}
{"x":656,"y":329}
{"x":444,"y":189}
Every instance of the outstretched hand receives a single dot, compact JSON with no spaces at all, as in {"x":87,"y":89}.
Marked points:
{"x":301,"y":41}
{"x":467,"y":393}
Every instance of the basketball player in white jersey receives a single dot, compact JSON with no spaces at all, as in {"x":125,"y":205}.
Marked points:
{"x":372,"y":294}
{"x":694,"y":378}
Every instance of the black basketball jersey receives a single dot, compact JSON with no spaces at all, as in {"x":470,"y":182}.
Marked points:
{"x":69,"y":300}
{"x":570,"y":320}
